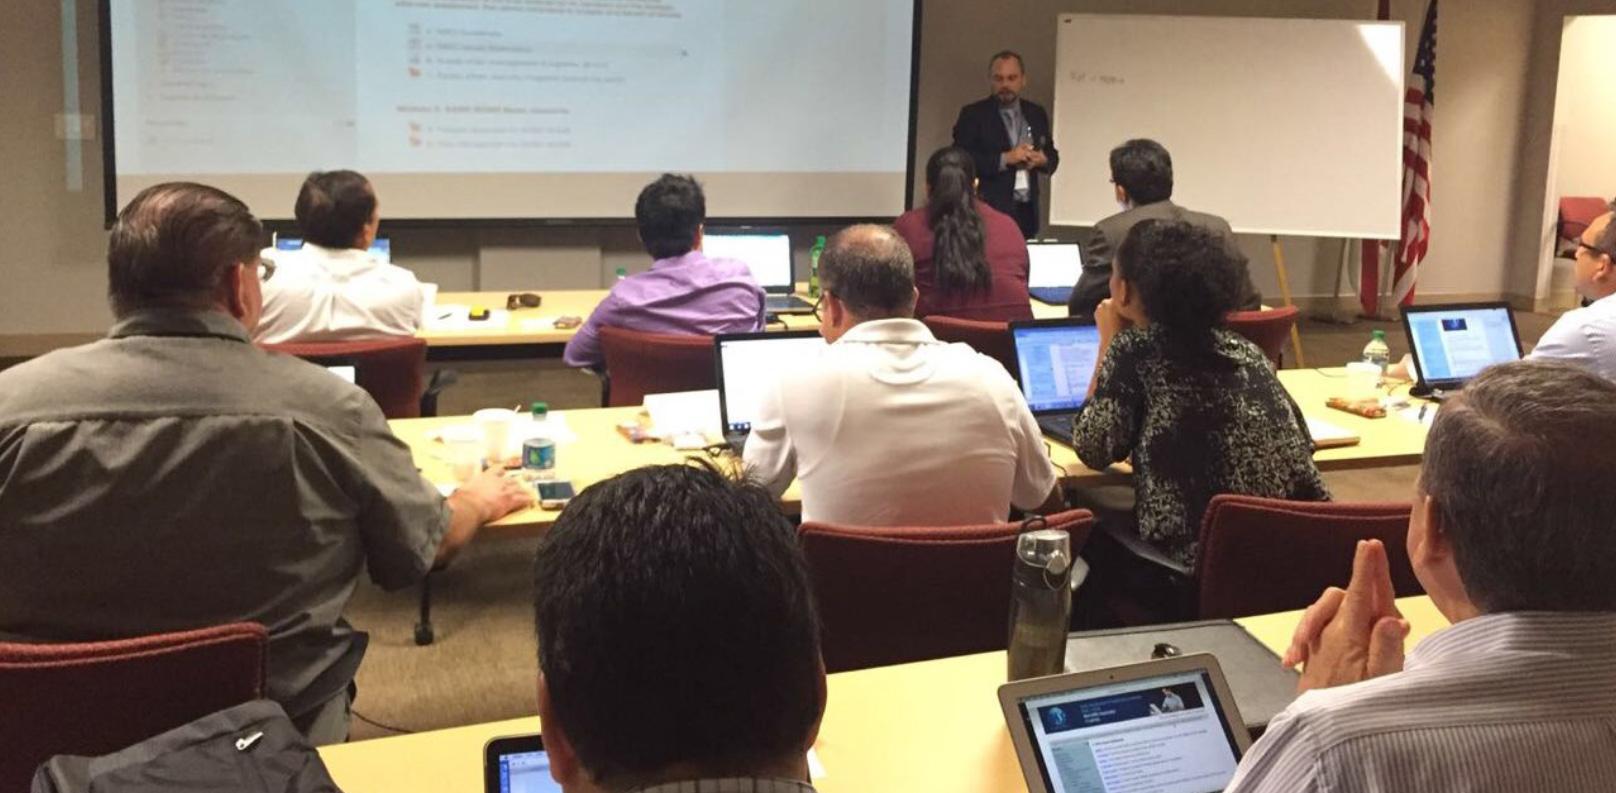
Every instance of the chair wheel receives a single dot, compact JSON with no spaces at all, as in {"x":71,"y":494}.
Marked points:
{"x":423,"y":635}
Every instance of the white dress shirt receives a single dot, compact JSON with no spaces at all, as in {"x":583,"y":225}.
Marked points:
{"x":1585,"y":336}
{"x":1521,"y":701}
{"x":330,"y":294}
{"x":891,"y":427}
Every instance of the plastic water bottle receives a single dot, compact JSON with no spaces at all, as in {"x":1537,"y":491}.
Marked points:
{"x":813,"y":266}
{"x":1040,"y":603}
{"x":1376,"y":351}
{"x":539,"y":448}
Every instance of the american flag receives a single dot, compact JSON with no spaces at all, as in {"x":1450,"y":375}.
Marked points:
{"x":1416,"y":231}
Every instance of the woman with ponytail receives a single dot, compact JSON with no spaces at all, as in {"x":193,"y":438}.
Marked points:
{"x":970,"y":259}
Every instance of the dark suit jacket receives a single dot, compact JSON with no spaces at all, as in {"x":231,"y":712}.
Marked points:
{"x":980,"y":131}
{"x":1094,"y":284}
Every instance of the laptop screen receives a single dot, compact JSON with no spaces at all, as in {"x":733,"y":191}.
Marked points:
{"x":526,"y":772}
{"x":1055,"y":362}
{"x":1452,"y":344}
{"x":748,"y":364}
{"x":767,"y":254}
{"x":1053,"y":264}
{"x":1162,"y":733}
{"x":381,"y":248}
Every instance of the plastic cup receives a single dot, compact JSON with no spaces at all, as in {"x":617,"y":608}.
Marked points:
{"x":495,"y":424}
{"x":1363,"y":380}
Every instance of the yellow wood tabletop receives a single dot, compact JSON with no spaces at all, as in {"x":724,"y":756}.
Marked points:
{"x":933,"y":726}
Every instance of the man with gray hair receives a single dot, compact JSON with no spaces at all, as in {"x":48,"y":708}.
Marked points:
{"x":173,"y":476}
{"x":1511,"y":537}
{"x":1587,"y":336}
{"x":891,"y":427}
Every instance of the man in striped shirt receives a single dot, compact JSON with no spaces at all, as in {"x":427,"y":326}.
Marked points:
{"x":1512,"y":537}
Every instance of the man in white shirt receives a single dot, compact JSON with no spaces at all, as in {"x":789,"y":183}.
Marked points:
{"x":890,"y":426}
{"x":333,"y":289}
{"x":1587,"y":336}
{"x":1512,"y":539}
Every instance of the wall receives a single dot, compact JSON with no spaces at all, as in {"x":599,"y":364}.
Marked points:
{"x":1491,"y":159}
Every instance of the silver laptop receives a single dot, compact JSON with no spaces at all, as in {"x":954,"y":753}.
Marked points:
{"x":767,"y":252}
{"x":1052,"y":270}
{"x":1168,"y":725}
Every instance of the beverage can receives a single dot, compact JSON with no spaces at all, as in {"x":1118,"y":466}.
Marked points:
{"x":539,"y":456}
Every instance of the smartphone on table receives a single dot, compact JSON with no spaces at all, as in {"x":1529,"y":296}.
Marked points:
{"x":554,"y":495}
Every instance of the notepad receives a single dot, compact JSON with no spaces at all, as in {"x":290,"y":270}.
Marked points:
{"x":1330,"y":436}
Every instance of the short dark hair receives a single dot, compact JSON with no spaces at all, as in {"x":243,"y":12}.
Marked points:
{"x":172,"y":245}
{"x":1519,"y":465}
{"x":1144,"y":169}
{"x":1002,"y":54}
{"x":871,"y":270}
{"x":333,"y":208}
{"x":676,"y":625}
{"x":1187,"y":276}
{"x":669,"y":212}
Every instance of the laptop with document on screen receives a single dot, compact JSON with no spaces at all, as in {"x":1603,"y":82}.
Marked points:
{"x":1453,"y":343}
{"x":767,"y":252}
{"x":1054,"y":365}
{"x":1167,"y":725}
{"x":1052,"y":270}
{"x":748,"y":364}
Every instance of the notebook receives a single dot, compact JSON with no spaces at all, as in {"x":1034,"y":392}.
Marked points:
{"x":1054,"y":364}
{"x":767,"y":253}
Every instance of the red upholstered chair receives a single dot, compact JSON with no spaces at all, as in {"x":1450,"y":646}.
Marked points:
{"x":99,"y":697}
{"x":1576,"y":212}
{"x":1269,"y":329}
{"x":1261,"y":555}
{"x":989,"y":338}
{"x":639,"y":363}
{"x":390,"y":370}
{"x":894,"y":595}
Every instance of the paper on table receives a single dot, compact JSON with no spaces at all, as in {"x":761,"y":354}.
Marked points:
{"x":684,"y":412}
{"x":454,"y":316}
{"x":530,"y":324}
{"x":554,"y":427}
{"x":1423,"y":413}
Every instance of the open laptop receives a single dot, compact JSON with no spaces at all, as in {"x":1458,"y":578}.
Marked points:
{"x":747,"y":364}
{"x":1054,"y":364}
{"x":1453,"y":343}
{"x":1158,"y":725}
{"x":381,"y":249}
{"x":1053,"y":268}
{"x":768,"y":253}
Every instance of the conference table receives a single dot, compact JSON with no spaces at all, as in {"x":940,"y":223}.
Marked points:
{"x":932,"y":725}
{"x":446,"y":330}
{"x":599,"y":451}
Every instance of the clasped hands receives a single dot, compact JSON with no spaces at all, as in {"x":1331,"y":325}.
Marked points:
{"x":1025,"y":156}
{"x":1351,"y":634}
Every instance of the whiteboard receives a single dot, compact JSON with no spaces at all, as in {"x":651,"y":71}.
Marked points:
{"x":1282,"y":126}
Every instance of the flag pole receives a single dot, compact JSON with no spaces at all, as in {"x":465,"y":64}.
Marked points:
{"x":1285,"y":291}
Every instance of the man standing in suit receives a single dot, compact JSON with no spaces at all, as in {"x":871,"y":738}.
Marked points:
{"x":1142,"y":174}
{"x":1009,"y":139}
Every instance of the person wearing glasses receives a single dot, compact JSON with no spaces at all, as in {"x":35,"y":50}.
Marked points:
{"x":174,"y":476}
{"x":333,"y":289}
{"x":891,"y":427}
{"x":1587,"y":336}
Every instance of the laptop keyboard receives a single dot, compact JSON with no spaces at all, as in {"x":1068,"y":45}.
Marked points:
{"x":1057,"y":426}
{"x":1053,"y":295}
{"x":785,"y":303}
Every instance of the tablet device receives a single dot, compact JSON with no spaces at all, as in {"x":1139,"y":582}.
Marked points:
{"x":1168,"y":725}
{"x":517,"y":764}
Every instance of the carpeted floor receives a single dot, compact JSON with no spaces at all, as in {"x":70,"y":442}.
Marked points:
{"x":483,"y":664}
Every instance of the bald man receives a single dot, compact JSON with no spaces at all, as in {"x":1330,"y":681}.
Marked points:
{"x":1587,"y":336}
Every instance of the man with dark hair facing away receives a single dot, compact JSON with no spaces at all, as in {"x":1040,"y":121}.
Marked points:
{"x":678,"y":642}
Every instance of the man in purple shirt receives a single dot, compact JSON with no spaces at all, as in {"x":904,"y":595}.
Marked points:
{"x":684,"y":291}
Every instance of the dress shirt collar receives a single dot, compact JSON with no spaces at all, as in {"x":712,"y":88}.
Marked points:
{"x":1558,"y":632}
{"x":179,"y":322}
{"x":731,"y":785}
{"x":889,"y":331}
{"x":339,"y":261}
{"x":1013,"y":107}
{"x":694,"y":257}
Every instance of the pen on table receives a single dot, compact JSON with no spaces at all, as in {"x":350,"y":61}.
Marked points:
{"x":1423,"y":408}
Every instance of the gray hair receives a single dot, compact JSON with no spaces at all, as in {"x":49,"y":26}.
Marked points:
{"x":1519,"y":465}
{"x":870,"y":269}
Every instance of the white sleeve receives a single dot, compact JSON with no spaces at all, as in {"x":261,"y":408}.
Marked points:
{"x":769,"y":456}
{"x":1565,"y":340}
{"x":1035,"y":472}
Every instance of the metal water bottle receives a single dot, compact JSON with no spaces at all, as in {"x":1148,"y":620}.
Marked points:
{"x":1040,"y":603}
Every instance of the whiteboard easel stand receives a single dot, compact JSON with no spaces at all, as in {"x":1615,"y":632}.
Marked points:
{"x":1334,"y":315}
{"x":1285,"y":292}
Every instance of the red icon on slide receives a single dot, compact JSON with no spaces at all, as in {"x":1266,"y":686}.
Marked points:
{"x":414,"y":72}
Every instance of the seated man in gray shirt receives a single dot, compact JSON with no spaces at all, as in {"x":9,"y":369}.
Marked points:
{"x":173,"y":476}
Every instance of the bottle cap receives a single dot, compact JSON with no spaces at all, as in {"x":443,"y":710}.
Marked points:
{"x":540,"y":409}
{"x":1378,"y":335}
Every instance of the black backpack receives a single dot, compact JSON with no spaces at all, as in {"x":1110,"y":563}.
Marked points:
{"x":250,"y":747}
